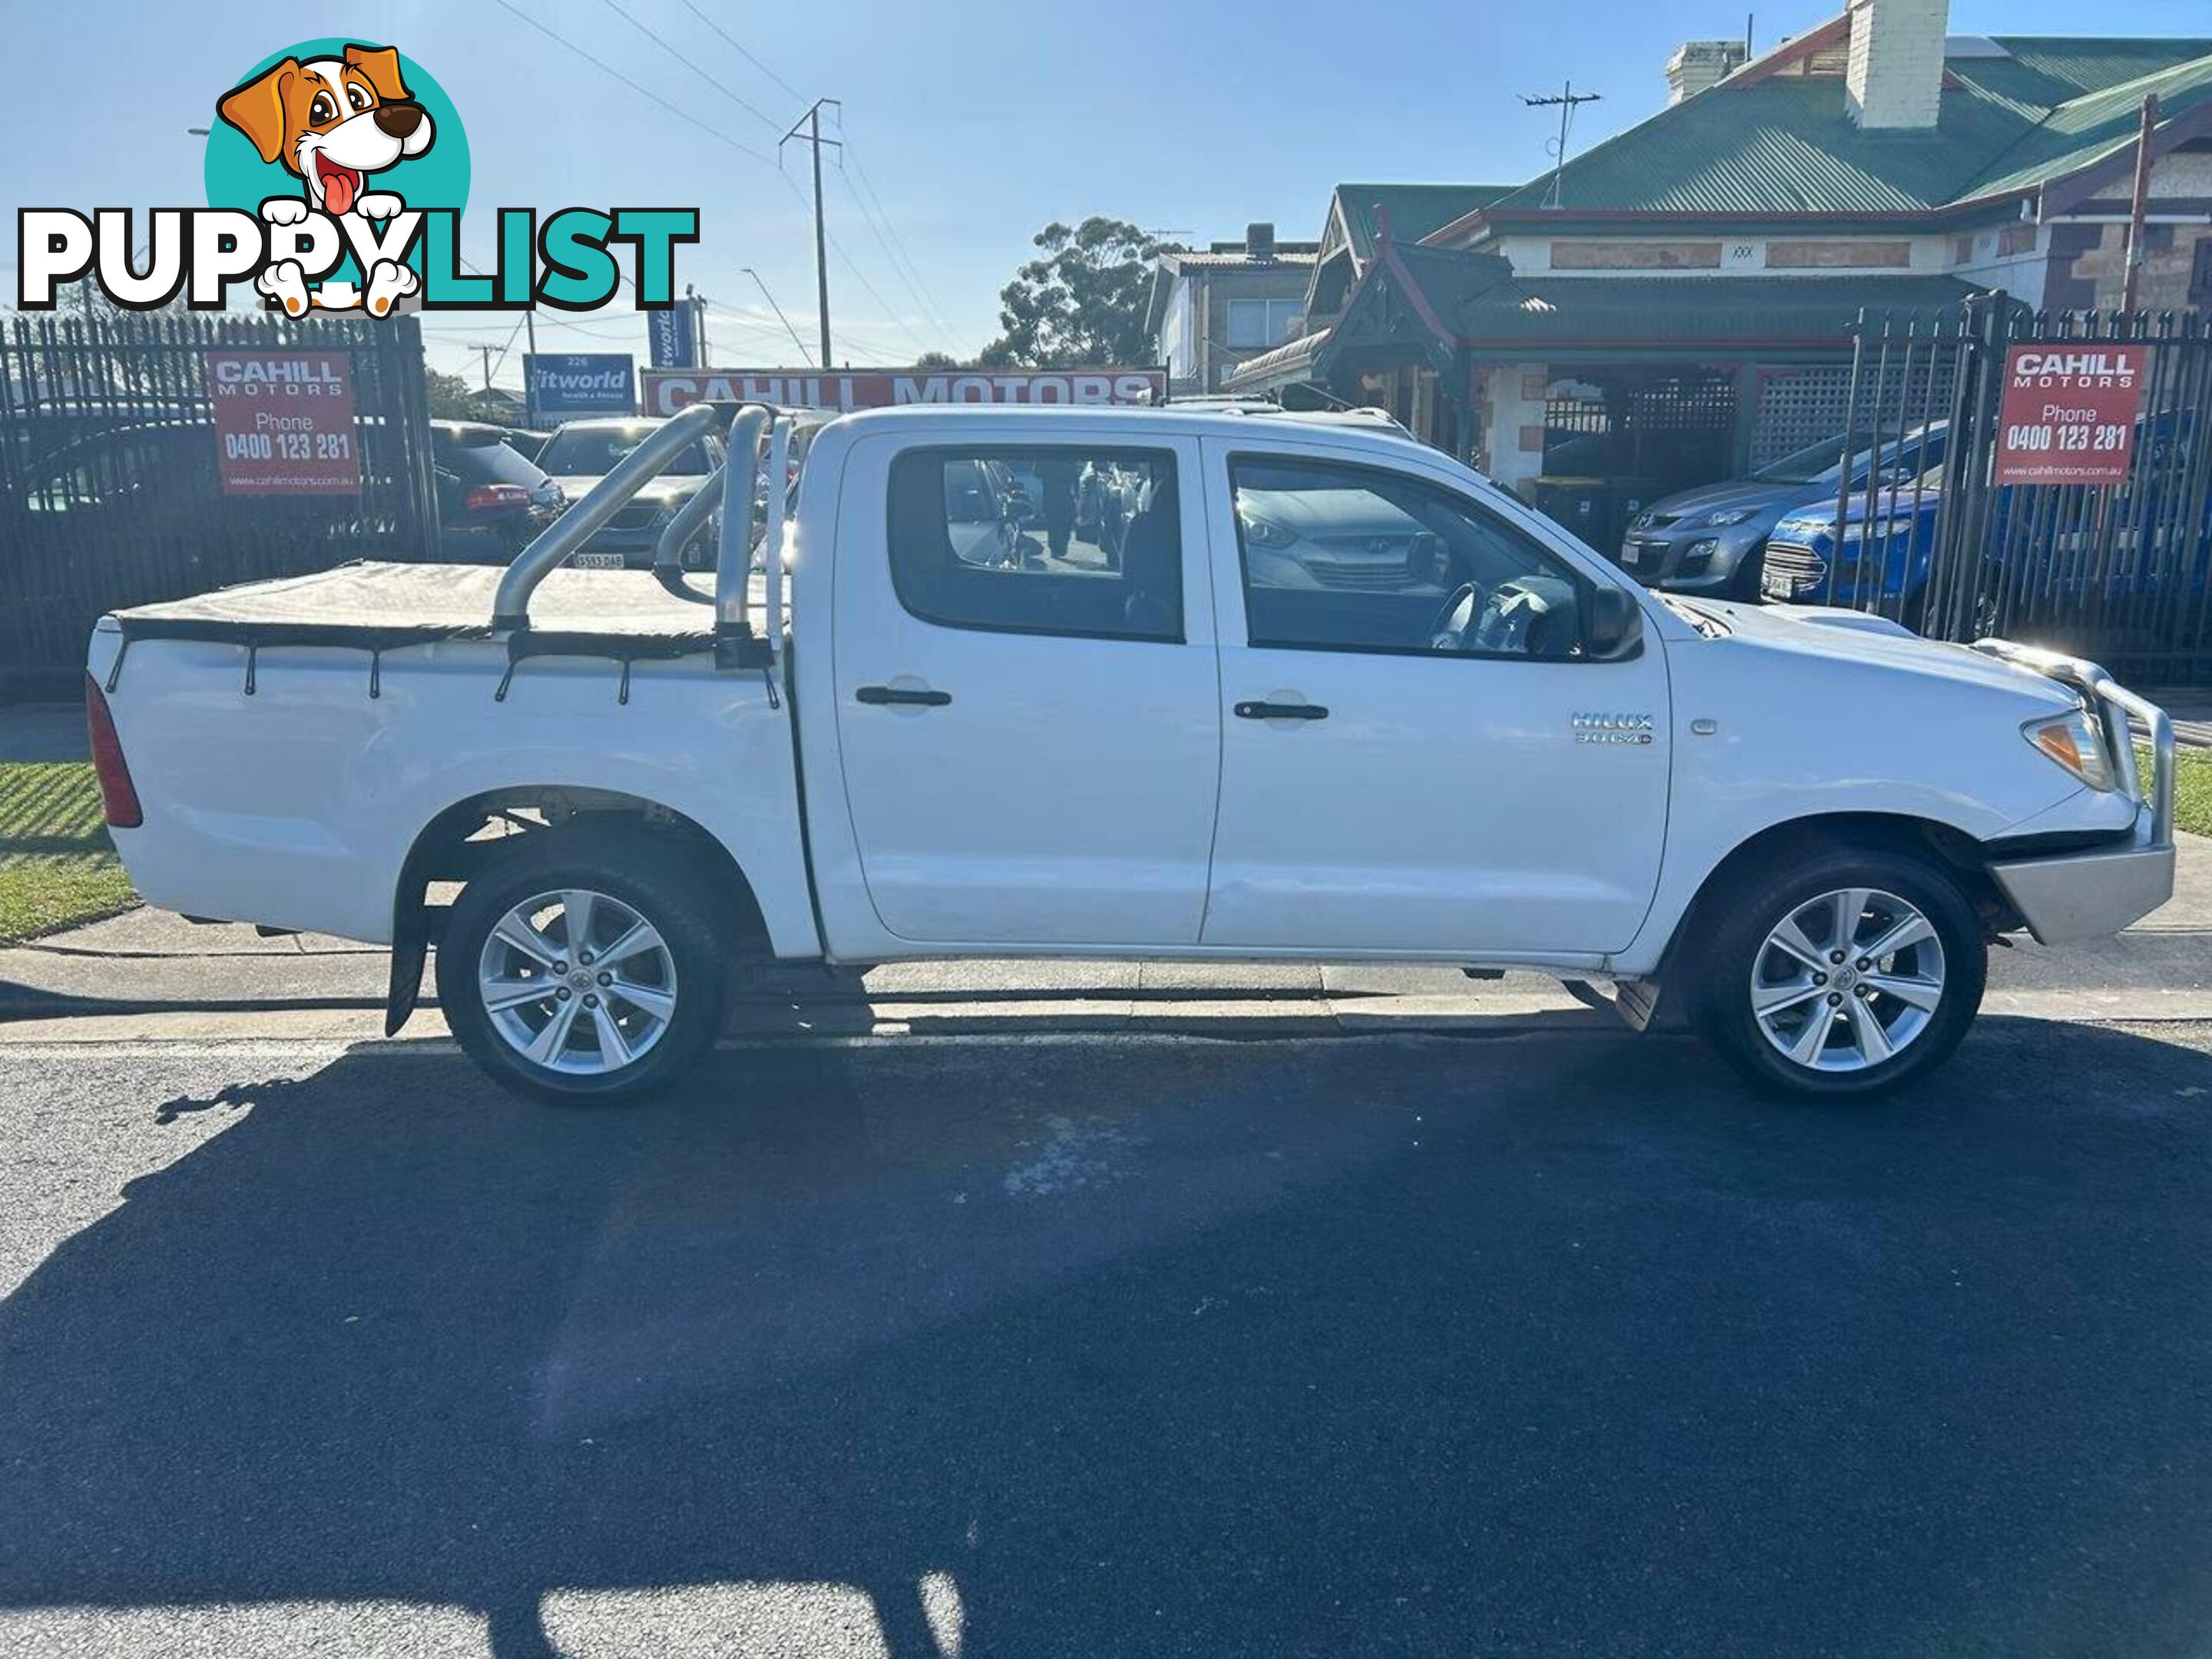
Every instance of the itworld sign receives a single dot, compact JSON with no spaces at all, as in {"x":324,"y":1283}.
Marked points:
{"x":580,"y":383}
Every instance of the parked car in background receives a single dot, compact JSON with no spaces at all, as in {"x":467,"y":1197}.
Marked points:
{"x":1882,"y":557}
{"x":492,"y":499}
{"x":524,"y":440}
{"x":581,"y":452}
{"x":1344,"y":537}
{"x":1709,"y":540}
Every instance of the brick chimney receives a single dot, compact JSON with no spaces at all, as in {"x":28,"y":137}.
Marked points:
{"x":1895,"y":74}
{"x":1697,"y":65}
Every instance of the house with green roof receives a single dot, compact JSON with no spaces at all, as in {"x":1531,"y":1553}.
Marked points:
{"x":1676,"y":303}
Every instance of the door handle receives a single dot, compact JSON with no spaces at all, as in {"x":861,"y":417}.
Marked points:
{"x":900,"y":694}
{"x":1280,"y":711}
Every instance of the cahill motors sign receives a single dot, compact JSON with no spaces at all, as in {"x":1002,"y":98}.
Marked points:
{"x":2069,"y":413}
{"x":668,"y":390}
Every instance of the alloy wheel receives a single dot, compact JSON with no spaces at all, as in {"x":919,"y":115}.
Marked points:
{"x":1847,"y":980}
{"x":577,"y":981}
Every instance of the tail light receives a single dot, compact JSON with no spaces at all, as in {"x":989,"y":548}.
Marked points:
{"x":495,"y":498}
{"x":117,"y":794}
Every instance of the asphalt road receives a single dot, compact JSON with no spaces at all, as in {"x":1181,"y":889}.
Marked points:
{"x":1112,"y":1347}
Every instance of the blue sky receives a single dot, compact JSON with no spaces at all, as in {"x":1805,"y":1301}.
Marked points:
{"x":974,"y":122}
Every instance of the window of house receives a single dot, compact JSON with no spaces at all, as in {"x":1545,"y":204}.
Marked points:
{"x":1260,"y":323}
{"x":1060,"y":539}
{"x":1355,"y":558}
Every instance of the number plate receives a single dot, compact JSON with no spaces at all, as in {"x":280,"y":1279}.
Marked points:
{"x":596,"y":561}
{"x":1630,"y":556}
{"x":1776,"y":584}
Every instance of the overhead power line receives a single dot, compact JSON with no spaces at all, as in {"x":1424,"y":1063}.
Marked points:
{"x":752,"y":110}
{"x":887,"y":237}
{"x":742,"y":52}
{"x":607,"y":68}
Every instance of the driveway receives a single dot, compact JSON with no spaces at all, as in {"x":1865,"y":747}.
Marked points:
{"x":1113,"y":1345}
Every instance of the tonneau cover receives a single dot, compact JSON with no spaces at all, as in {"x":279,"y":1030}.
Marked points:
{"x":380,"y":607}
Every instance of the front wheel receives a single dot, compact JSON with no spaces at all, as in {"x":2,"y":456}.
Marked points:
{"x":1844,"y":973}
{"x":580,"y":968}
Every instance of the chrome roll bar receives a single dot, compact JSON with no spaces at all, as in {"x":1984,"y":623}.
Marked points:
{"x":668,"y":552}
{"x":553,"y":545}
{"x":736,"y":645}
{"x":2115,"y":707}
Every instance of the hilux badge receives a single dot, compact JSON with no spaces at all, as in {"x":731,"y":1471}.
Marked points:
{"x":1611,"y":728}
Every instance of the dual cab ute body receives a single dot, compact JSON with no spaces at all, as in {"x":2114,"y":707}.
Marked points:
{"x":1480,"y":746}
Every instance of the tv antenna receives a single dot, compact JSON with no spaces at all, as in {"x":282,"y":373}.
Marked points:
{"x":1565,"y":101}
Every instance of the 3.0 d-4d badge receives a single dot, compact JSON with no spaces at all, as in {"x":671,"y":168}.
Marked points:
{"x":1611,"y":728}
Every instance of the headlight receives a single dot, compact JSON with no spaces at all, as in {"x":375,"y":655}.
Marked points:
{"x":1696,"y":556}
{"x":1728,"y":515}
{"x":1882,"y":530}
{"x":2076,"y":743}
{"x":1261,"y":532}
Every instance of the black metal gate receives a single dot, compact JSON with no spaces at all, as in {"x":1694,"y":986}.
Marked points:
{"x":111,"y":490}
{"x":2118,"y":572}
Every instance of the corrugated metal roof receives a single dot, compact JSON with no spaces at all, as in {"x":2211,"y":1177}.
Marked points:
{"x":1787,"y":144}
{"x":1415,"y":210}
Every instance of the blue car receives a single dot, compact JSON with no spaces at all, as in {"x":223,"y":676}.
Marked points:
{"x":1708,"y":540}
{"x":1882,"y":557}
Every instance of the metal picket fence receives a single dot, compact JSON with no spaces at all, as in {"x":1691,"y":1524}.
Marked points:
{"x":110,"y":489}
{"x":2120,"y":571}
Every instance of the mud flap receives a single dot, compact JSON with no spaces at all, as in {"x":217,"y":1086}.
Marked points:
{"x":410,"y":943}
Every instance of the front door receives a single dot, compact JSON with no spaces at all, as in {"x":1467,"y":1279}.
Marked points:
{"x":1027,"y":699}
{"x":1421,"y":753}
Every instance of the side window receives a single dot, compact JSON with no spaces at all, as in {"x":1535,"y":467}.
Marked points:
{"x":1359,"y":558}
{"x":1039,"y":540}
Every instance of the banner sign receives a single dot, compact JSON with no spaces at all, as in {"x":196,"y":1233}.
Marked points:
{"x":884,"y":388}
{"x":673,"y":336}
{"x":284,"y":422}
{"x":2069,"y":413}
{"x":579,"y":383}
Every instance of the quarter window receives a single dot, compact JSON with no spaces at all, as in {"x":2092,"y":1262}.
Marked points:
{"x":1356,"y":558}
{"x":1057,"y":540}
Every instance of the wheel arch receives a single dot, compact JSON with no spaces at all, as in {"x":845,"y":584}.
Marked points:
{"x":454,"y":845}
{"x":1956,"y":851}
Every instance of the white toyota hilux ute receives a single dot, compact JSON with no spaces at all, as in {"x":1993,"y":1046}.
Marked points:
{"x":1436,"y":729}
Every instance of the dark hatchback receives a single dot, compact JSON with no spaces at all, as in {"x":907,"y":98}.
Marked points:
{"x":491,"y":500}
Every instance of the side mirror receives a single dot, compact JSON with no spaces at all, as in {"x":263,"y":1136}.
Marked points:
{"x":1615,"y":621}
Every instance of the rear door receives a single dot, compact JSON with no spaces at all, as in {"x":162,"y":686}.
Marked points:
{"x":1392,"y":783}
{"x":1029,"y":718}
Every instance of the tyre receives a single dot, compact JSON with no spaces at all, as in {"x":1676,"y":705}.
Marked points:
{"x":1841,"y":971}
{"x":583,"y":967}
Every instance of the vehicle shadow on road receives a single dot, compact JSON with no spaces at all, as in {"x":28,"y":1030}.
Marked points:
{"x":1158,"y":1347}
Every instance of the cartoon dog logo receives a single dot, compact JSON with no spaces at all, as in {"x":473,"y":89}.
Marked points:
{"x":333,"y":121}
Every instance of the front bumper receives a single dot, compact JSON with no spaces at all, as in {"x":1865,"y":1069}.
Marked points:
{"x":1664,"y":558}
{"x":2095,"y":894}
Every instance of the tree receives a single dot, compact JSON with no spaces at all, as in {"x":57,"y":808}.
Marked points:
{"x":937,"y":360}
{"x":449,"y":396}
{"x":1082,"y":300}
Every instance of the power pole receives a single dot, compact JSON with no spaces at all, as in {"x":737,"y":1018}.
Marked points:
{"x":2139,"y":203}
{"x":487,"y":372}
{"x":529,"y":381}
{"x":1565,"y":101}
{"x":812,"y":122}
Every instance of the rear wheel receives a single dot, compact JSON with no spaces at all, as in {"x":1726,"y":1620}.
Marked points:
{"x":581,"y":968}
{"x":1844,"y":973}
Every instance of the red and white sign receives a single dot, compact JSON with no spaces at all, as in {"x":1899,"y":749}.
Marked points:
{"x":2070,"y":412}
{"x":284,"y":422}
{"x":667,"y":390}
